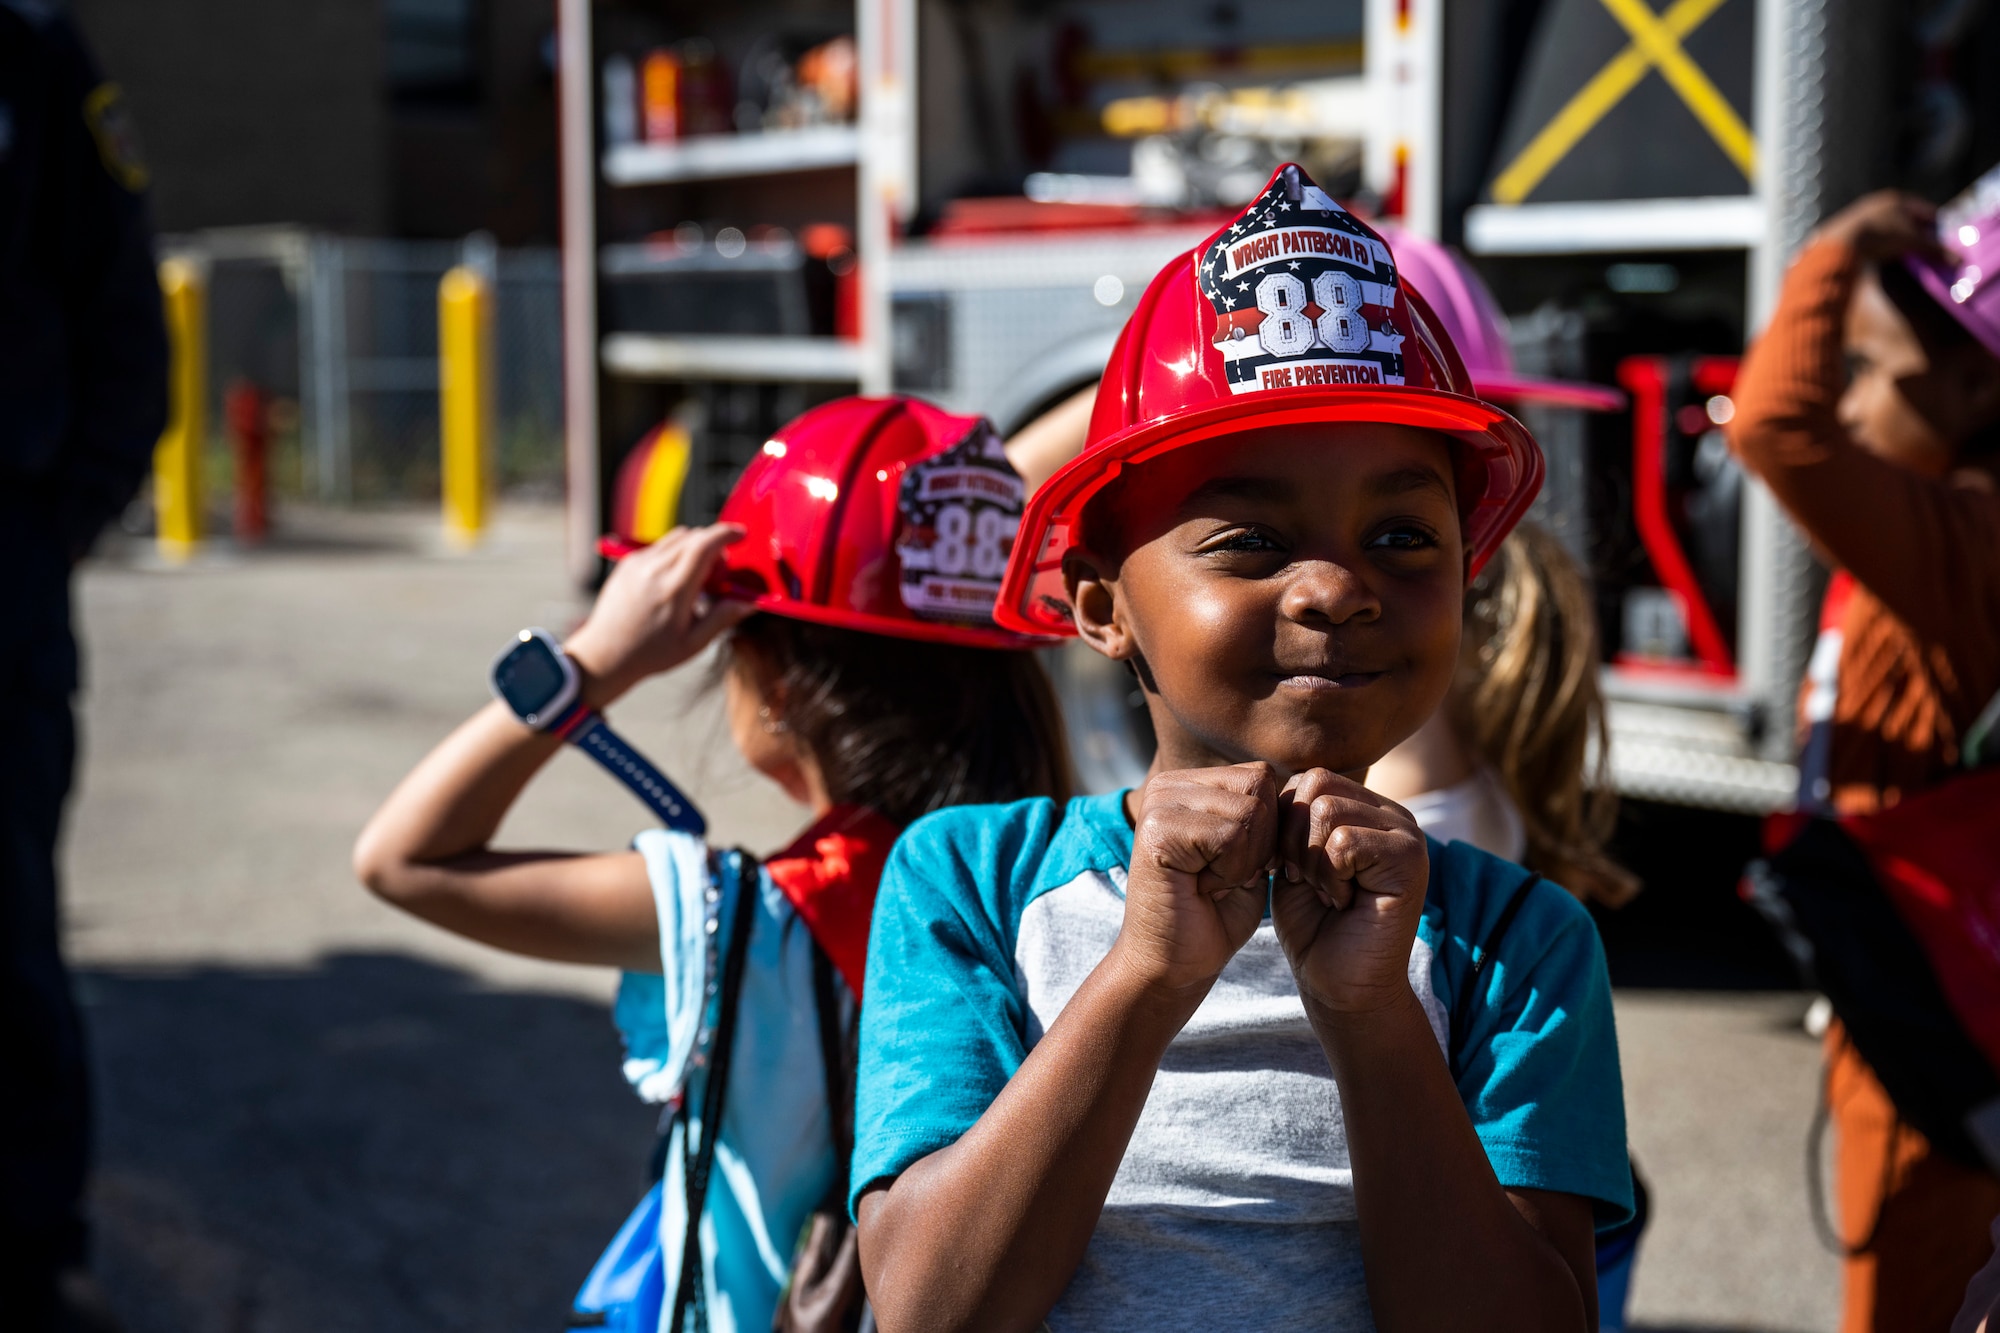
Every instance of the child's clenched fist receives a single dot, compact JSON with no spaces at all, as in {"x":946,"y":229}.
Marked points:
{"x":1201,"y":855}
{"x":1352,"y":871}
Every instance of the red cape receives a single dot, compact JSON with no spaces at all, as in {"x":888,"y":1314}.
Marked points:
{"x":829,"y":875}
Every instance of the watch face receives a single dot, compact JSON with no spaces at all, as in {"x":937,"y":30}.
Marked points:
{"x":529,"y":678}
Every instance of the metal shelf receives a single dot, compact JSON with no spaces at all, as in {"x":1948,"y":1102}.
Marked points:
{"x":718,"y":156}
{"x":657,"y":356}
{"x":1723,"y":222}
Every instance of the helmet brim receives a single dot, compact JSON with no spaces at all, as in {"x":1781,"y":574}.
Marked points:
{"x":1499,"y":465}
{"x":922,"y":631}
{"x":1533,"y":391}
{"x":1977,"y":316}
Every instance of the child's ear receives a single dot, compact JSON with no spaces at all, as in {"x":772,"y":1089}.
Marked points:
{"x":772,"y":709}
{"x":1096,"y":607}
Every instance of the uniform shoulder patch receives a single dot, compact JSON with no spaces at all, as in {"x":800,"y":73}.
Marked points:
{"x":110,"y":123}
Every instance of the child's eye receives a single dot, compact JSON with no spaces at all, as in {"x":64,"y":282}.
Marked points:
{"x":1405,"y":537}
{"x":1250,"y":540}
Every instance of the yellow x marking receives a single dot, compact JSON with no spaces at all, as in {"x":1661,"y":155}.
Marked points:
{"x":1656,"y":44}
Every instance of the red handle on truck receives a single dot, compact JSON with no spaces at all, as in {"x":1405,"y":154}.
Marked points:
{"x":1645,"y":378}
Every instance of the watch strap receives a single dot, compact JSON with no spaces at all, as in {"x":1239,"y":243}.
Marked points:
{"x":588,"y":731}
{"x":572,"y":719}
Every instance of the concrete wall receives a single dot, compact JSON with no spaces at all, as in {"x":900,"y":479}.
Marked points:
{"x":491,"y":165}
{"x":256,"y":111}
{"x":253,"y":111}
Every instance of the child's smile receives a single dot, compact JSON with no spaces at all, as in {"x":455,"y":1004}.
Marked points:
{"x":1296,"y":596}
{"x":1325,"y":680}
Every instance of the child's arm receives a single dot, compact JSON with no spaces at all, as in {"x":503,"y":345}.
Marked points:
{"x":426,"y":849}
{"x":988,"y":1232}
{"x":1346,"y":910}
{"x":1906,"y":536}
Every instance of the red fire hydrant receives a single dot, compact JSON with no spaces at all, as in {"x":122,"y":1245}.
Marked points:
{"x":243,"y":406}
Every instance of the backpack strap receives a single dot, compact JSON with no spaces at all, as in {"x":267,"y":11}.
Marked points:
{"x":836,"y":1058}
{"x":691,"y":1296}
{"x":1465,"y":1002}
{"x":826,"y":1292}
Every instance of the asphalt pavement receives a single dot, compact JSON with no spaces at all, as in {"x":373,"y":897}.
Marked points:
{"x":316,"y":1115}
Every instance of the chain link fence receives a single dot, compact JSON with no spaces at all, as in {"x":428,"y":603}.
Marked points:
{"x":340,"y":335}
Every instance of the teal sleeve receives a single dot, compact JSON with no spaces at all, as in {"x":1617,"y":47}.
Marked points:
{"x":1538,"y":1070}
{"x":944,"y":1023}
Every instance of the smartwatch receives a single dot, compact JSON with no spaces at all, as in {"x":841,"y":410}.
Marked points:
{"x":535,"y":678}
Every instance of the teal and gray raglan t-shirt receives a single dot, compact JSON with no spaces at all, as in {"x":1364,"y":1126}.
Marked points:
{"x":1234,"y":1205}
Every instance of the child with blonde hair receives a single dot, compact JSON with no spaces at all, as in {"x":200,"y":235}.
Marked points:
{"x":1515,"y":760}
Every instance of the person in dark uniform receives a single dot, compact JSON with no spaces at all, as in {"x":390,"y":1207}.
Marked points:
{"x":83,"y":398}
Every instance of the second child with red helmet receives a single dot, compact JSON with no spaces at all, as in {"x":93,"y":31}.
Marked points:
{"x":1240,"y":1048}
{"x":850,"y":583}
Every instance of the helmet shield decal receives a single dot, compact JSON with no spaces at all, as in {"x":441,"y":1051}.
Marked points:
{"x":959,"y":511}
{"x":1295,"y":314}
{"x":882,"y":515}
{"x":1304,"y":295}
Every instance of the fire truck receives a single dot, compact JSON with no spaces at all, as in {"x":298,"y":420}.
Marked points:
{"x":767,"y":205}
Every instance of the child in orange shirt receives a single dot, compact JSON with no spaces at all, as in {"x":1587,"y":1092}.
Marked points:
{"x":1871,"y":408}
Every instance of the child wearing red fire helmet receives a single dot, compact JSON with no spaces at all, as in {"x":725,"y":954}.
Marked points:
{"x":849,"y":585}
{"x":1240,"y":1046}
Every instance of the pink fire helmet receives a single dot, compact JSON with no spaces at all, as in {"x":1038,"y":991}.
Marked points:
{"x":1472,"y":317}
{"x":1970,"y":289}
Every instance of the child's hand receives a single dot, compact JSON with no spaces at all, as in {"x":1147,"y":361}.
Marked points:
{"x":1350,"y":888}
{"x":1200,"y":857}
{"x":1888,"y":224}
{"x":652,"y":615}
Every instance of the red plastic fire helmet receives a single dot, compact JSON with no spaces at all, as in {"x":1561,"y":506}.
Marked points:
{"x":1293,"y":314}
{"x":886,"y":515}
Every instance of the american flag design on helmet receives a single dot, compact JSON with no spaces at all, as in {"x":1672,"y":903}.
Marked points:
{"x":1303,"y":293}
{"x":959,"y":512}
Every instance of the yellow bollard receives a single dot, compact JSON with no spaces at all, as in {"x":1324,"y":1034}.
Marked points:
{"x":465,"y":401}
{"x":177,"y":497}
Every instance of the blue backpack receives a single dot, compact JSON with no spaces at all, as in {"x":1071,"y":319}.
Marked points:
{"x":626,"y":1290}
